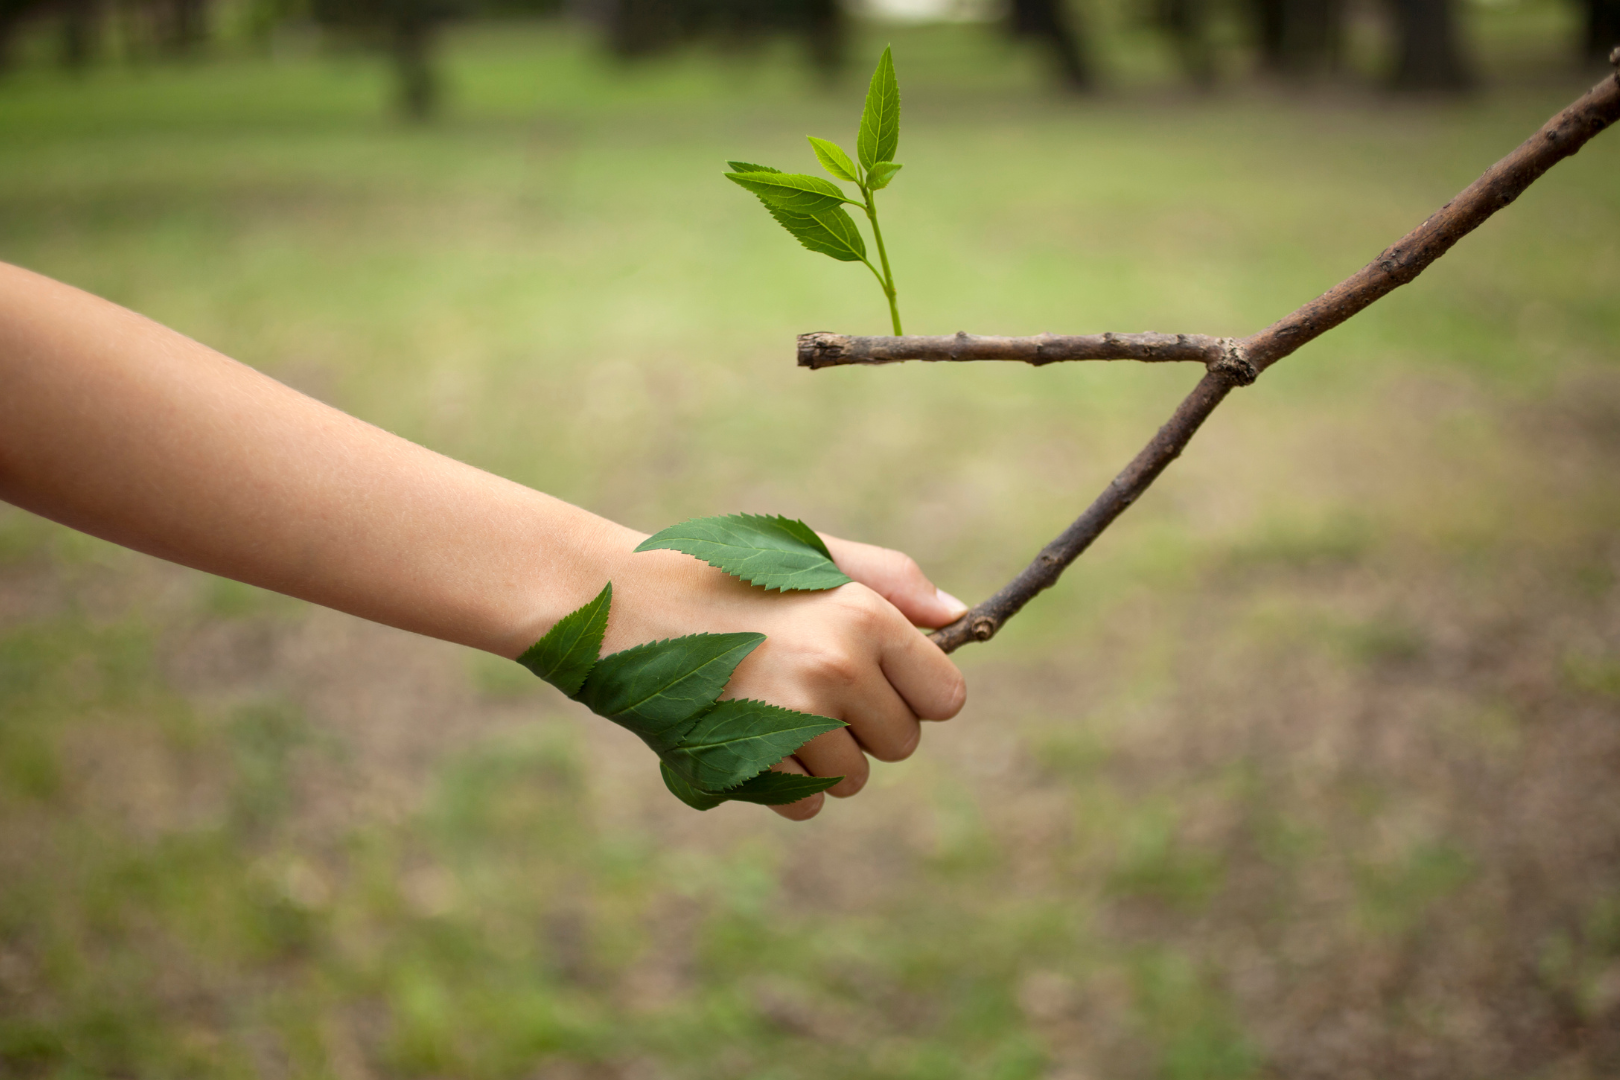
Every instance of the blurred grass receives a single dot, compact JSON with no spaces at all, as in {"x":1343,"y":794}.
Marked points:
{"x":1305,"y":770}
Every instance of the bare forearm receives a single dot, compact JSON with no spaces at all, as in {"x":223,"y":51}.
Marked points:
{"x":119,"y":427}
{"x":124,"y":429}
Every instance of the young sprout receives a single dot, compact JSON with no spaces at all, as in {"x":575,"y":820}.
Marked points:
{"x":812,"y":209}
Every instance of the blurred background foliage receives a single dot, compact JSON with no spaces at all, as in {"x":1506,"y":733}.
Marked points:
{"x":1307,"y":770}
{"x":1424,"y":48}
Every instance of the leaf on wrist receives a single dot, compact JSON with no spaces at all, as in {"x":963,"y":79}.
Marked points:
{"x":568,"y":652}
{"x":880,"y":120}
{"x":797,"y":192}
{"x":739,"y":739}
{"x":771,"y":551}
{"x":880,"y":175}
{"x":657,"y":690}
{"x":833,"y":159}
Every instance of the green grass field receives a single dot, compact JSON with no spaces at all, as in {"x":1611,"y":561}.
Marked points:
{"x":1307,"y":770}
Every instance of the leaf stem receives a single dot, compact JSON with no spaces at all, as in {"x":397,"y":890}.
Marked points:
{"x":883,"y":255}
{"x":884,"y":285}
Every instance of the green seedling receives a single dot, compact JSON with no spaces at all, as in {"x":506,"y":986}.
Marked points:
{"x":812,"y":209}
{"x":667,"y":692}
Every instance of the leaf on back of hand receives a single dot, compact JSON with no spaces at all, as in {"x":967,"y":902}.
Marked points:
{"x":831,"y":232}
{"x":880,"y":120}
{"x":880,"y":175}
{"x":565,"y":656}
{"x":766,"y":550}
{"x":657,"y":690}
{"x":665,"y":693}
{"x":791,"y":191}
{"x":739,"y":739}
{"x":833,"y":159}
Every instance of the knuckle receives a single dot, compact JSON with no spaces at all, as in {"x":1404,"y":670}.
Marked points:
{"x":909,"y":573}
{"x":837,"y":667}
{"x":864,"y":607}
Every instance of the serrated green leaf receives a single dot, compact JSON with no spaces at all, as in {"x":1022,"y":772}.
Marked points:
{"x":766,"y":550}
{"x":657,"y":690}
{"x":749,"y":166}
{"x":766,"y":789}
{"x":565,"y":656}
{"x":831,"y":232}
{"x":880,"y":119}
{"x":696,"y":798}
{"x":833,"y":159}
{"x":741,"y":738}
{"x":791,"y":191}
{"x":779,"y":789}
{"x":879,"y":177}
{"x":665,"y":692}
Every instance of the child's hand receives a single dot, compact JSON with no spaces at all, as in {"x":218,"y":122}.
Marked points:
{"x":853,"y":653}
{"x":120,"y":427}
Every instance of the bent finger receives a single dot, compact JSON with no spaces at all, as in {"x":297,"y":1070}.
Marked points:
{"x":923,"y":675}
{"x":836,"y":753}
{"x":879,"y":718}
{"x":805,"y":808}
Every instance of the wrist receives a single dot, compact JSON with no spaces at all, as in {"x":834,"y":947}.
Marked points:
{"x":656,"y":594}
{"x":556,"y":563}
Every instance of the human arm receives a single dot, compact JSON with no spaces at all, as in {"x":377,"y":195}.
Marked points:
{"x":122,"y":428}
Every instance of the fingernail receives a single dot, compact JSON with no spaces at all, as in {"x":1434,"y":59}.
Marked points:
{"x":955,"y":606}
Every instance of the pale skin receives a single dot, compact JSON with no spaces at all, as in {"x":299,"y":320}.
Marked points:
{"x":122,"y":428}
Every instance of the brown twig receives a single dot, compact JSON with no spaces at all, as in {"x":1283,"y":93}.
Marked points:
{"x":1229,"y":362}
{"x":831,"y":350}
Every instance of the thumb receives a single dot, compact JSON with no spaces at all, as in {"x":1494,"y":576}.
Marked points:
{"x":897,"y":578}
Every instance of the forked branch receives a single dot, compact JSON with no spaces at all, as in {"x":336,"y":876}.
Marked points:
{"x":1228,"y":362}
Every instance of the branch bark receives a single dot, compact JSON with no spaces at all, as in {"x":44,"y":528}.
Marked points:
{"x":1229,"y":363}
{"x":821,"y":350}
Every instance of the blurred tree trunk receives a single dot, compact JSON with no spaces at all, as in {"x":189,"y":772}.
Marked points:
{"x":407,"y":31}
{"x":1187,"y":24}
{"x":1298,"y":37}
{"x":187,"y":27}
{"x":412,"y":37}
{"x":642,"y":27}
{"x":1602,"y":29}
{"x":637,"y":28}
{"x":1428,"y":49}
{"x":1054,"y":24}
{"x":81,"y":25}
{"x":824,"y":35}
{"x":8,"y":32}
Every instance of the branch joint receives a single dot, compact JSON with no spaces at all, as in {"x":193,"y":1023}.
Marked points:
{"x":1233,"y":364}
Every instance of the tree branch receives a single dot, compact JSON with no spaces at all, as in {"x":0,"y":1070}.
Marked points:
{"x":1229,"y":363}
{"x":822,"y":349}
